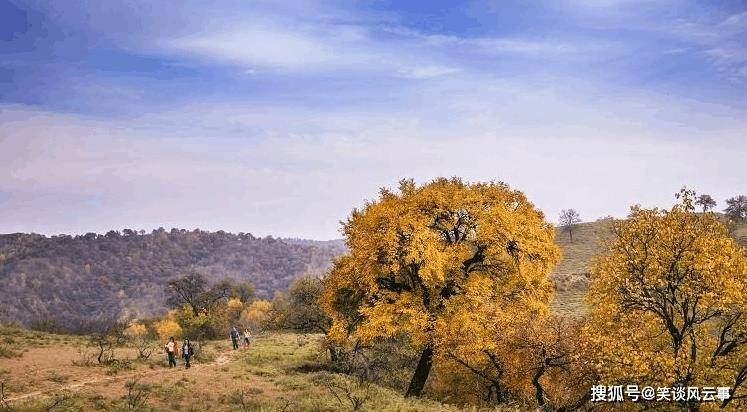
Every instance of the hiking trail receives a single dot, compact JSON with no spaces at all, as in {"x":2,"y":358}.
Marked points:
{"x":221,"y":359}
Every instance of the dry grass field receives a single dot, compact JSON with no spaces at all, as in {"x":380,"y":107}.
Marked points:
{"x":571,"y":275}
{"x":279,"y":372}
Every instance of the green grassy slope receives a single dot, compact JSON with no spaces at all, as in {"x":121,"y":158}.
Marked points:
{"x":571,"y":275}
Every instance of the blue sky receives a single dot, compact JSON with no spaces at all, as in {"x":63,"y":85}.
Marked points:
{"x":279,"y":117}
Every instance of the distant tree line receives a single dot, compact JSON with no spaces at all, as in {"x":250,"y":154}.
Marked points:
{"x":60,"y":281}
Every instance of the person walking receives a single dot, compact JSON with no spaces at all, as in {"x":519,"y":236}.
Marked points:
{"x":235,"y":337}
{"x":171,"y":351}
{"x":187,"y":352}
{"x":247,"y":337}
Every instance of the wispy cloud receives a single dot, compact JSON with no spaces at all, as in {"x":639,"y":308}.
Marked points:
{"x":426,"y":72}
{"x":722,"y":41}
{"x":247,"y":114}
{"x":251,"y":167}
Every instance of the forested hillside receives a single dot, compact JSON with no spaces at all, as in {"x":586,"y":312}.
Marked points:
{"x":68,"y":278}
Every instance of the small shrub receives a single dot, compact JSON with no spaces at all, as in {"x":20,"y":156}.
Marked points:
{"x":242,"y":399}
{"x":113,"y":368}
{"x":348,"y":392}
{"x":203,"y":355}
{"x":85,"y":358}
{"x":57,"y":377}
{"x":7,"y":352}
{"x":136,"y":397}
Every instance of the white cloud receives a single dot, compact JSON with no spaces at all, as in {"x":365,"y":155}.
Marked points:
{"x":427,"y":72}
{"x":257,"y":47}
{"x":296,"y":170}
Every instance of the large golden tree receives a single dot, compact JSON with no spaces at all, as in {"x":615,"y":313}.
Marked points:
{"x":668,"y":303}
{"x":428,"y":261}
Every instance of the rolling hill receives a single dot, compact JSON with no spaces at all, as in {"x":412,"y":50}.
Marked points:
{"x":69,"y":278}
{"x":571,"y":275}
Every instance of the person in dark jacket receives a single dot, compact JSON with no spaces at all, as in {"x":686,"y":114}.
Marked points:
{"x":187,"y":352}
{"x":235,"y":337}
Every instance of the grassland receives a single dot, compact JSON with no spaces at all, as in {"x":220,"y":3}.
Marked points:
{"x":571,"y":275}
{"x":279,"y":372}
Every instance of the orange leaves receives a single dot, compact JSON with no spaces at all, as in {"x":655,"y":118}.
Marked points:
{"x":440,"y":261}
{"x":167,"y":328}
{"x":661,"y":296}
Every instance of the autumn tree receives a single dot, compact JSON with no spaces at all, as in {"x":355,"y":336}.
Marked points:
{"x":299,"y":307}
{"x":105,"y":335}
{"x":244,"y":291}
{"x":569,"y":218}
{"x":706,"y":202}
{"x":193,"y":290}
{"x":257,"y":315}
{"x":168,"y":328}
{"x":668,"y":302}
{"x":736,"y":208}
{"x":423,"y":258}
{"x":143,"y":339}
{"x":529,"y":357}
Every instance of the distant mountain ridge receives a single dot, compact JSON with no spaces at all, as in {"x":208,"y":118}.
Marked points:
{"x":68,"y":278}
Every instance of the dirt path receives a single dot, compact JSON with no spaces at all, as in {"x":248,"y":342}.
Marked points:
{"x":222,"y":359}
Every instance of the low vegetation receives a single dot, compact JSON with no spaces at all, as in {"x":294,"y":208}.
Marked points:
{"x":451,"y":296}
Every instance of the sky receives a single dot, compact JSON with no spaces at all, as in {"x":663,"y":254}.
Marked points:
{"x":279,"y":117}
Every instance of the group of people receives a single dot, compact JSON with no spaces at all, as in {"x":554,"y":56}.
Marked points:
{"x":236,"y":335}
{"x":171,"y":351}
{"x":188,"y":351}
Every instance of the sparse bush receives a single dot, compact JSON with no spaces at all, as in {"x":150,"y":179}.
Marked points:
{"x":57,"y":377}
{"x":117,"y":365}
{"x":136,"y":397}
{"x":105,"y":336}
{"x":240,"y":398}
{"x":6,"y":351}
{"x":202,"y":354}
{"x":4,"y":405}
{"x":143,"y":341}
{"x":352,"y":393}
{"x":85,"y":358}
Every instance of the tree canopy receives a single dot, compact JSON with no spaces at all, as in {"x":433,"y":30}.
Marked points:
{"x":668,"y":302}
{"x":438,"y":259}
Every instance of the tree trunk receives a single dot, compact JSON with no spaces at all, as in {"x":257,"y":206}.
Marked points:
{"x":539,"y":391}
{"x":333,"y":354}
{"x":421,"y":372}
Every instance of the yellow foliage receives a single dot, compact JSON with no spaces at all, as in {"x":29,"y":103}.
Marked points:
{"x":167,"y":328}
{"x":135,"y":330}
{"x":235,"y":304}
{"x":257,"y":314}
{"x":668,"y":302}
{"x":442,"y":263}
